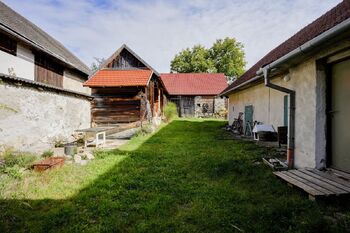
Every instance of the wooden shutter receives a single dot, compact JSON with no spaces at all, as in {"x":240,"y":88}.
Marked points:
{"x":48,"y":71}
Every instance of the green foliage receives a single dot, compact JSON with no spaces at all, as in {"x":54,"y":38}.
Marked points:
{"x":14,"y":171}
{"x":22,"y":159}
{"x":146,"y":129}
{"x":225,"y":56}
{"x":96,"y":64}
{"x":47,"y":153}
{"x":228,"y":57}
{"x":14,"y":162}
{"x":170,"y":111}
{"x":195,"y":60}
{"x":58,"y":143}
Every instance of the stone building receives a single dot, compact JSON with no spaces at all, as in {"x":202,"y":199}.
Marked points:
{"x":196,"y":94}
{"x":42,"y":98}
{"x":304,"y":84}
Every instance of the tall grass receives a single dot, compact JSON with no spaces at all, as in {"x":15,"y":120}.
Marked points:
{"x":170,"y":111}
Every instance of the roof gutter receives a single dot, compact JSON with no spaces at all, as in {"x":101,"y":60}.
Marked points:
{"x":306,"y":47}
{"x":291,"y":120}
{"x":303,"y":49}
{"x":241,"y":85}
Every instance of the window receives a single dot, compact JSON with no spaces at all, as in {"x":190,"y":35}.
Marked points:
{"x":48,"y":71}
{"x":7,"y":44}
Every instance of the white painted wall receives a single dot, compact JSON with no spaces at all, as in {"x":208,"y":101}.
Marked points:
{"x":30,"y":119}
{"x":268,"y":108}
{"x":22,"y":64}
{"x":73,"y":82}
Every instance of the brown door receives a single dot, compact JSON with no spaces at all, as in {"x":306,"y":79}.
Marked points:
{"x":340,"y":116}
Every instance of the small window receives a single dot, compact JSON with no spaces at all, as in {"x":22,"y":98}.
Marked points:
{"x":7,"y":44}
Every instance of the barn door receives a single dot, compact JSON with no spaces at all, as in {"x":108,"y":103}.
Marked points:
{"x":340,"y":116}
{"x":187,"y":106}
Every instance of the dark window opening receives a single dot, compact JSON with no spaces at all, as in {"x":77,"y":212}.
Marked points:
{"x":8,"y":45}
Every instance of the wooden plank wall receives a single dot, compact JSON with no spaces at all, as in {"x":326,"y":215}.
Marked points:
{"x":115,"y":105}
{"x":48,"y":71}
{"x":185,"y":105}
{"x":125,"y":61}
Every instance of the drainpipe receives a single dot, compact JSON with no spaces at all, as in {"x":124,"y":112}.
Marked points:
{"x":291,"y":123}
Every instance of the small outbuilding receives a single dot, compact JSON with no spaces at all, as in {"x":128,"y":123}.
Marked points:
{"x":125,"y":89}
{"x":196,"y":94}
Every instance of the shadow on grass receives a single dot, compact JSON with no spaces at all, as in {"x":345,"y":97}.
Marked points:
{"x":179,"y":180}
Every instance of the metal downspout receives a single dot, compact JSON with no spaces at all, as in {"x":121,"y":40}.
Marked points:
{"x":291,"y":122}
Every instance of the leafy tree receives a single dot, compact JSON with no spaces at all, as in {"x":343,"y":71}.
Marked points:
{"x":225,"y":56}
{"x":96,"y":64}
{"x":228,"y":57}
{"x":195,"y":60}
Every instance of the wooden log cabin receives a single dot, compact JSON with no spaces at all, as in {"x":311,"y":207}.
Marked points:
{"x":125,"y":89}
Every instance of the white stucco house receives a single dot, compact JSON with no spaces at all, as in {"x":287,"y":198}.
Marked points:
{"x":304,"y":83}
{"x":42,"y":98}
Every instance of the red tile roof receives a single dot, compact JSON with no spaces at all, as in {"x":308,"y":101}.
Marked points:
{"x":330,"y":19}
{"x":194,"y":83}
{"x":119,"y":78}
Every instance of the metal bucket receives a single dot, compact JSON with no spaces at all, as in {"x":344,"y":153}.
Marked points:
{"x":70,"y":149}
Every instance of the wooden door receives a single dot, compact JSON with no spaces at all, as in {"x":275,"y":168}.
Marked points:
{"x":187,"y":105}
{"x":248,"y":115}
{"x":340,"y":116}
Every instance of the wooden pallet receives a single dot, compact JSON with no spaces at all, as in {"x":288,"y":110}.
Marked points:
{"x":318,"y":183}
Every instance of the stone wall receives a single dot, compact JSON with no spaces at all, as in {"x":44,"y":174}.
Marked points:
{"x":32,"y":118}
{"x":206,"y":106}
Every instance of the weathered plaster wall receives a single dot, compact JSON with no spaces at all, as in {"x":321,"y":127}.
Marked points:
{"x":215,"y":105}
{"x":74,"y":82}
{"x":22,"y":64}
{"x":309,"y":81}
{"x":268,"y":108}
{"x":30,"y":119}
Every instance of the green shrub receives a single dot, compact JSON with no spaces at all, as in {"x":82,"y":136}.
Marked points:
{"x":144,"y":130}
{"x":58,"y":142}
{"x":21,"y":159}
{"x":47,"y":153}
{"x":170,"y":111}
{"x":14,"y":171}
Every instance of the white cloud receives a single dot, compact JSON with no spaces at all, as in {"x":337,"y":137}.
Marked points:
{"x":157,"y":30}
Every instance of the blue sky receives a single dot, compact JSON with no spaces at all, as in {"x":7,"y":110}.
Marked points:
{"x":157,"y":29}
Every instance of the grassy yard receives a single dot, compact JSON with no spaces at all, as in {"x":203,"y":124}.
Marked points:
{"x":180,"y":179}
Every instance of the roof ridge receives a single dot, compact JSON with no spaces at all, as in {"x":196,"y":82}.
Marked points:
{"x":6,"y":10}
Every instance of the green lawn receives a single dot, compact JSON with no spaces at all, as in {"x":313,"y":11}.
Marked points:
{"x":180,"y":179}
